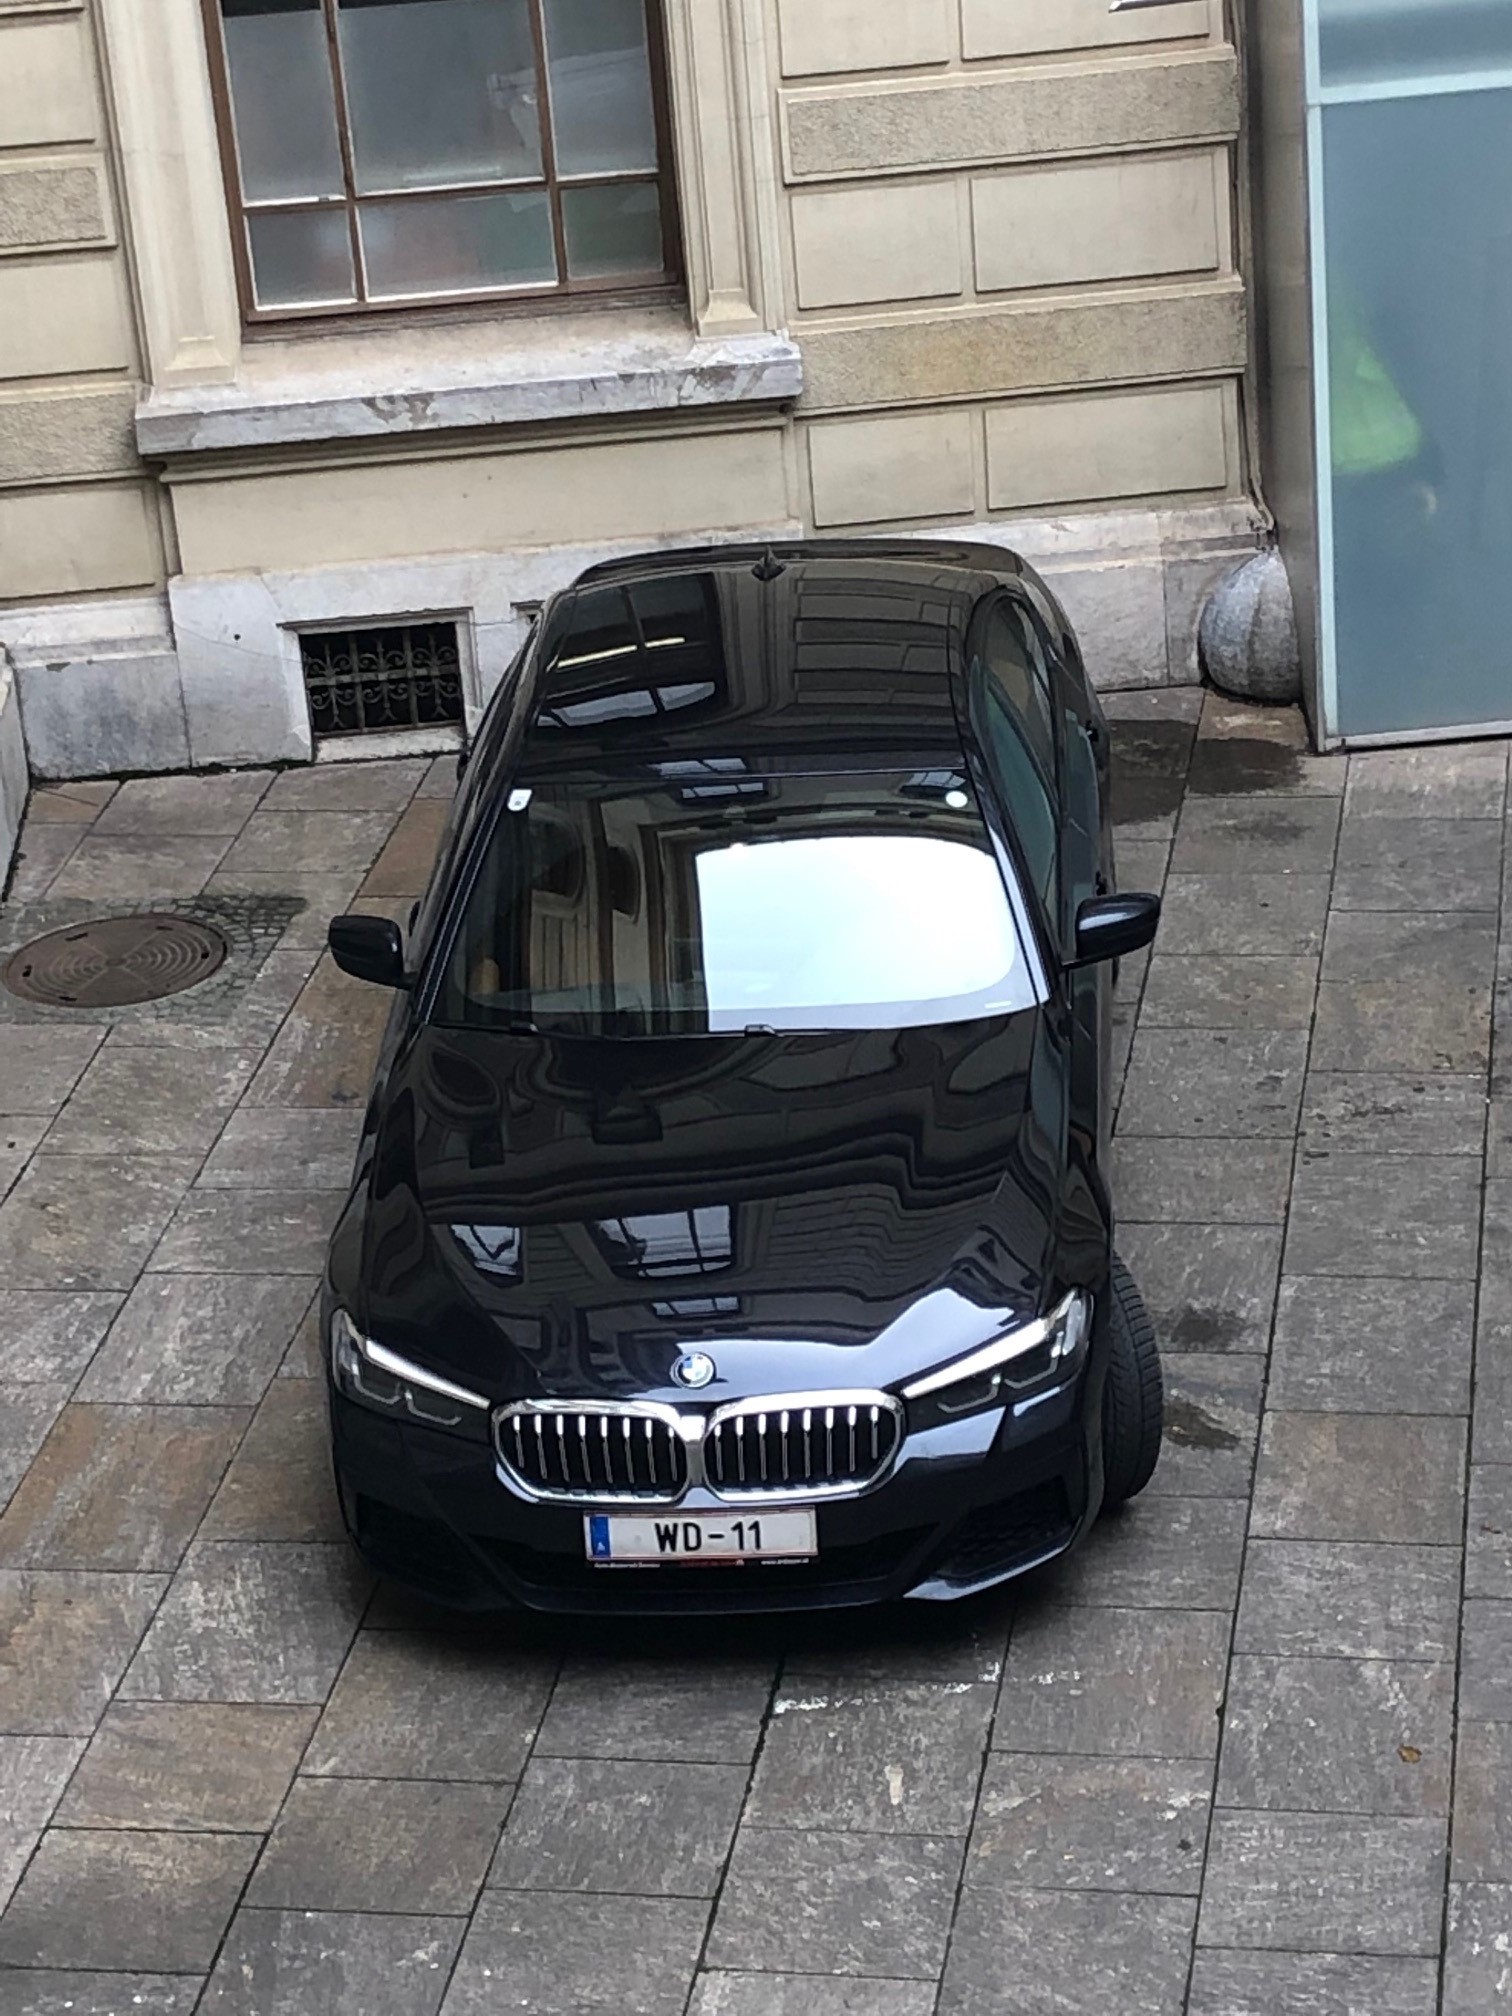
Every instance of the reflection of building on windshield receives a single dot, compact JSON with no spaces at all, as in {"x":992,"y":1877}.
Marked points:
{"x":633,"y":656}
{"x":669,"y":1242}
{"x":665,"y":905}
{"x":861,"y":917}
{"x":696,"y":1305}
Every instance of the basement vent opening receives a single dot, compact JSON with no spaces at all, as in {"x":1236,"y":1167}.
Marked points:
{"x":381,"y":681}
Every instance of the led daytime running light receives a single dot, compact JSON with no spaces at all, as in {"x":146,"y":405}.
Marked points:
{"x":402,"y":1368}
{"x":1069,"y":1315}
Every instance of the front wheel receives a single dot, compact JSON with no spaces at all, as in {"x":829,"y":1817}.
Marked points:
{"x":1134,"y":1396}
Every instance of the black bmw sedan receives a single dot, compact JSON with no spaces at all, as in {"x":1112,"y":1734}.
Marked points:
{"x":731,"y":1227}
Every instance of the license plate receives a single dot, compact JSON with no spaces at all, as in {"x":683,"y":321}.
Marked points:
{"x":614,"y":1540}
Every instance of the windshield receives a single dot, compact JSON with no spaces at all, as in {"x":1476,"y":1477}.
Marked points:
{"x":714,"y":901}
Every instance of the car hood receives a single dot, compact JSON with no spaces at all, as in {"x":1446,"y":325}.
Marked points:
{"x":564,"y":1216}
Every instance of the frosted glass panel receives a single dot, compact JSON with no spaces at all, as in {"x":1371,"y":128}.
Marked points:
{"x":1386,"y":41}
{"x":282,"y":99}
{"x":612,"y":228}
{"x":600,"y":72}
{"x":300,"y":258}
{"x":440,"y":91}
{"x":458,"y":244}
{"x":1418,"y":204}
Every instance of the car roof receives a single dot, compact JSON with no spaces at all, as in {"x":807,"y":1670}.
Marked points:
{"x":795,"y":655}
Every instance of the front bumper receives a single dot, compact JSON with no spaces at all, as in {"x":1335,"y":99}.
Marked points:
{"x":963,"y":1509}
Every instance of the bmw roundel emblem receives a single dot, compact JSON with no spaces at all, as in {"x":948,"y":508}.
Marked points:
{"x":695,"y":1369}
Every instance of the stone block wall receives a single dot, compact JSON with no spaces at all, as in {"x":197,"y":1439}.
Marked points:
{"x":1012,"y":268}
{"x":78,"y":513}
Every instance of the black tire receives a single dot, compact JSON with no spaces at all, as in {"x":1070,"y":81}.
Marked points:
{"x":1134,"y":1396}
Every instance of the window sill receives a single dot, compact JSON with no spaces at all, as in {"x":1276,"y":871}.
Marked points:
{"x":475,"y":374}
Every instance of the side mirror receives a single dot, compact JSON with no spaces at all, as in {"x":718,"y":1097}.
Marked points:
{"x":1111,"y":927}
{"x":369,"y":948}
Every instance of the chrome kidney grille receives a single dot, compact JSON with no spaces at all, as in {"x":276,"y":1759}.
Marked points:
{"x":795,"y":1446}
{"x":565,"y":1451}
{"x":801,"y":1448}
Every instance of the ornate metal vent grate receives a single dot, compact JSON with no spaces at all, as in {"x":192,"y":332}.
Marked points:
{"x":376,"y":682}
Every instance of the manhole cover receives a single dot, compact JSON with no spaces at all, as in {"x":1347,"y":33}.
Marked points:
{"x":114,"y":962}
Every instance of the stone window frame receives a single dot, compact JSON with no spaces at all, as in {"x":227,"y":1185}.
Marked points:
{"x":197,"y":352}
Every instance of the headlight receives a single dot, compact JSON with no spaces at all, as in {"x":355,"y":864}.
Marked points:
{"x":1048,"y":1351}
{"x":378,"y":1378}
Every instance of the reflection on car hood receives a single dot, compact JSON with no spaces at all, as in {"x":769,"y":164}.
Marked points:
{"x":565,"y":1216}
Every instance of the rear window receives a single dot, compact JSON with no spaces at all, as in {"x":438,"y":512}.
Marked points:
{"x":713,"y":901}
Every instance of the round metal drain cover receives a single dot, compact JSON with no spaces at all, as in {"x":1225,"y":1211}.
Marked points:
{"x":115,"y":962}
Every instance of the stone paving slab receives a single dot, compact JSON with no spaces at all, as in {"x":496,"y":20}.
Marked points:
{"x":196,"y":1339}
{"x":1393,"y":1113}
{"x":1338,"y":1735}
{"x":900,"y":1758}
{"x":1417,"y":865}
{"x":68,"y":1637}
{"x":39,"y":1068}
{"x":1356,"y":1346}
{"x":71,"y":1992}
{"x":1256,"y":835}
{"x":1361,"y":1477}
{"x":1311,"y":1984}
{"x":722,"y":1994}
{"x":623,"y":1828}
{"x":202,"y":1766}
{"x":1018,"y":1950}
{"x":1475,"y":1962}
{"x":125,"y":1900}
{"x":1209,"y":1767}
{"x":391,"y":1845}
{"x":119,"y":866}
{"x":1324,"y":1883}
{"x":559,"y":1955}
{"x":1248,"y":990}
{"x":1349,"y":1600}
{"x":119,"y":1487}
{"x":284,"y":1963}
{"x":837,"y":1903}
{"x":412,"y":1706}
{"x":250,"y":1621}
{"x":1091,"y":1823}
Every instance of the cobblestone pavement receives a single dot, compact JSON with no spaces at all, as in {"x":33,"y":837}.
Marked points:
{"x":1249,"y":1755}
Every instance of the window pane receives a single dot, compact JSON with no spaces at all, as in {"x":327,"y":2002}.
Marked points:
{"x":282,"y":99}
{"x":615,"y":228}
{"x":458,"y":244}
{"x":1024,"y":795}
{"x":300,"y":258}
{"x":853,"y":902}
{"x":440,"y":91}
{"x":600,"y":72}
{"x":1379,"y":41}
{"x":1016,"y":662}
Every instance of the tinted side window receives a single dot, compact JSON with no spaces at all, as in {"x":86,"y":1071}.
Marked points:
{"x":1027,"y":799}
{"x":1016,"y":665}
{"x":1016,"y":724}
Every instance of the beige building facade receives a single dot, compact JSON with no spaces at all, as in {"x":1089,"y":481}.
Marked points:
{"x":930,"y":266}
